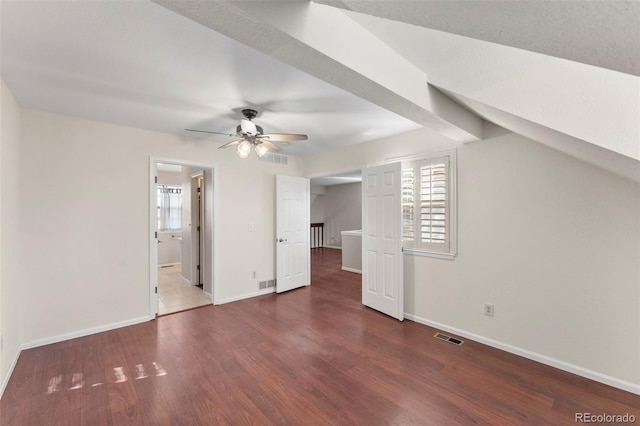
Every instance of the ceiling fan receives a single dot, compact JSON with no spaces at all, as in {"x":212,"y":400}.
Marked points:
{"x":252,"y":136}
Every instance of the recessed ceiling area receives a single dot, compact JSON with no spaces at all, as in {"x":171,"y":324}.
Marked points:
{"x":341,"y":178}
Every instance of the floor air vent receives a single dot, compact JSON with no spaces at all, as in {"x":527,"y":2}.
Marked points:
{"x":266,"y":284}
{"x":448,"y":339}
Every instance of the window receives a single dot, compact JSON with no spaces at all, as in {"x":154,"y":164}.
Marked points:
{"x":169,"y":207}
{"x":428,"y":205}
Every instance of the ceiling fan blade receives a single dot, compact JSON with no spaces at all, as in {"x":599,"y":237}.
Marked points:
{"x":226,"y":145}
{"x":205,"y":131}
{"x":270,"y":146}
{"x":286,"y":137}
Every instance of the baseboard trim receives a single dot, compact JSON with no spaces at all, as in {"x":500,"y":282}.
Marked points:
{"x":185,"y":280}
{"x":543,"y":359}
{"x":5,"y":381}
{"x":169,"y":264}
{"x":82,"y":333}
{"x":357,"y":271}
{"x":246,"y":296}
{"x":333,"y":247}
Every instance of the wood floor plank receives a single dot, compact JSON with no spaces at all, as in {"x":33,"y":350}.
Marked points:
{"x":311,"y":356}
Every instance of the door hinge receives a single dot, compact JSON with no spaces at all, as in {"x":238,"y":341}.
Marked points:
{"x":198,"y":189}
{"x":156,"y":234}
{"x":156,"y":179}
{"x":156,"y":289}
{"x":198,"y":229}
{"x":198,"y":267}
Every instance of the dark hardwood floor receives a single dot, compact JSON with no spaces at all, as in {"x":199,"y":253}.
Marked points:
{"x":311,"y":356}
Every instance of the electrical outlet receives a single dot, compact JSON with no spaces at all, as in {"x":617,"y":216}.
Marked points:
{"x":488,"y":309}
{"x":254,"y":275}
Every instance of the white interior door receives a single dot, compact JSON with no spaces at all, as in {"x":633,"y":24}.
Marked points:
{"x":382,"y":283}
{"x":292,"y":233}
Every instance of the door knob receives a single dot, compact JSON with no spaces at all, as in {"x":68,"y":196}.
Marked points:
{"x":281,"y":240}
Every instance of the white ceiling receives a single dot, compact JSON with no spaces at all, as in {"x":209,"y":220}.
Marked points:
{"x":565,"y":73}
{"x":140,"y":65}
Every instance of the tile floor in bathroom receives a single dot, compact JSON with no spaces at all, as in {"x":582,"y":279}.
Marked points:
{"x":174,"y":294}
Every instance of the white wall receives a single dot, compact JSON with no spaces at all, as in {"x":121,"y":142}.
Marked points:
{"x":340,"y":209}
{"x":11,"y":277}
{"x":169,"y":247}
{"x":169,"y":178}
{"x":84,"y":184}
{"x":551,"y":241}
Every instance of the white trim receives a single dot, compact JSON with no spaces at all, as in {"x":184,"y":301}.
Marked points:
{"x":308,"y":257}
{"x":168,"y":264}
{"x":340,"y":171}
{"x":85,"y":332}
{"x":188,"y":282}
{"x":199,"y":212}
{"x":12,"y":366}
{"x":153,"y":241}
{"x":247,"y":296}
{"x":215,"y":199}
{"x":357,"y":271}
{"x":421,"y":156}
{"x":543,"y":359}
{"x":331,"y":247}
{"x":424,"y":253}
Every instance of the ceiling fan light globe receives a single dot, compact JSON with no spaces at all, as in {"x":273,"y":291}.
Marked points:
{"x":261,"y":150}
{"x":244,"y":148}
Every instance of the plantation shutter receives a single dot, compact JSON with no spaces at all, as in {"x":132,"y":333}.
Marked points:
{"x":433,"y":203}
{"x":408,"y":207}
{"x":425,"y":204}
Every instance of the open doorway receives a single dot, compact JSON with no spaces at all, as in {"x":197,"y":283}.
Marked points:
{"x":182,"y":230}
{"x":336,"y":214}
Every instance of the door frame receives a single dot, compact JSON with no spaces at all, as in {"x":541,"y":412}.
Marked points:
{"x":211,"y":208}
{"x":200,"y":213}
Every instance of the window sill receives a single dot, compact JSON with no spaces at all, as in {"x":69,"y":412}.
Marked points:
{"x":423,"y":253}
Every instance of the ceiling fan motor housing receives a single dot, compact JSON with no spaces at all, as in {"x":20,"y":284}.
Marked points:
{"x":249,"y":113}
{"x":239,"y":131}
